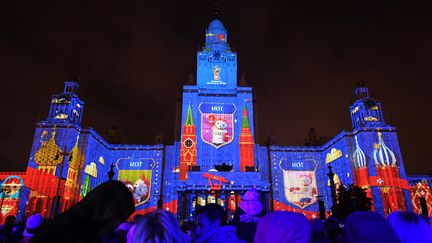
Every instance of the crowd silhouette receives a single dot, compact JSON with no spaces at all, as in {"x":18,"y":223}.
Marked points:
{"x":104,"y":216}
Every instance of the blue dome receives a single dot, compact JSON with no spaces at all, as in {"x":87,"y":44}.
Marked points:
{"x":216,"y":24}
{"x":216,"y":36}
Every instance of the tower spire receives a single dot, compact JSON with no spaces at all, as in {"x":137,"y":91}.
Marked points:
{"x":216,"y":12}
{"x":246,"y":144}
{"x":245,"y":121}
{"x":70,"y":86}
{"x":361,"y":90}
{"x":66,"y":107}
{"x":366,"y":111}
{"x":188,"y":151}
{"x":189,"y":117}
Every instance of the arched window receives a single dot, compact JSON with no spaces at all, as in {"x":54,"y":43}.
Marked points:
{"x":39,"y":205}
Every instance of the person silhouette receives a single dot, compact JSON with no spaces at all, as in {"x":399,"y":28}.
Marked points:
{"x":101,"y":211}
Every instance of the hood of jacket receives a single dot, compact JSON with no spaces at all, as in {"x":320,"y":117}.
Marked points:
{"x":223,"y":234}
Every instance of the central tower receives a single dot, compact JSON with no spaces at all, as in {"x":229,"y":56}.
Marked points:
{"x":220,"y":109}
{"x":216,"y":63}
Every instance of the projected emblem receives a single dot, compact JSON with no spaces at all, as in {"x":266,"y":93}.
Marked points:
{"x":216,"y":73}
{"x":300,"y":185}
{"x":217,"y":126}
{"x":10,"y":193}
{"x":136,"y":174}
{"x":11,"y":187}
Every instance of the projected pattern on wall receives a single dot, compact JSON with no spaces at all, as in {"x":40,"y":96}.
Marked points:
{"x":216,"y":158}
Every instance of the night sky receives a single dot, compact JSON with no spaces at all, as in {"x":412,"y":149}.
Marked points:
{"x":132,"y":57}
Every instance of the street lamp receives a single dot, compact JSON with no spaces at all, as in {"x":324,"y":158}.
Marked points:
{"x":111,"y":173}
{"x":321,"y":208}
{"x":330,"y":174}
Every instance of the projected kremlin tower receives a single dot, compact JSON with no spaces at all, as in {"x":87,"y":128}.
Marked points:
{"x":216,"y":159}
{"x":188,"y":145}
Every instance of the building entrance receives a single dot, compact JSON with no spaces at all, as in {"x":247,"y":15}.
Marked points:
{"x":190,"y":200}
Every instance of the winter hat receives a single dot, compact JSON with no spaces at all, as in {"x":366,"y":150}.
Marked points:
{"x":281,"y":226}
{"x":363,"y":226}
{"x":130,"y":234}
{"x":32,"y":224}
{"x":410,"y":227}
{"x":317,"y":226}
{"x":125,"y":226}
{"x":251,"y":203}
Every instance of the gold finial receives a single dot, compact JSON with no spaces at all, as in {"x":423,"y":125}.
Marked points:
{"x":379,"y":132}
{"x":377,"y":146}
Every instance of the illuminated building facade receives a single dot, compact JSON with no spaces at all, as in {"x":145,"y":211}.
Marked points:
{"x":421,"y":191}
{"x":216,"y":159}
